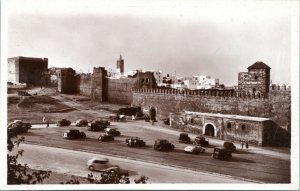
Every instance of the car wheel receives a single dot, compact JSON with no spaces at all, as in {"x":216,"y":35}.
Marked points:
{"x":214,"y":156}
{"x":92,"y":168}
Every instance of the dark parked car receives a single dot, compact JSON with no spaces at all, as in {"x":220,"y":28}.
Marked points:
{"x":74,"y":134}
{"x":135,"y":142}
{"x":201,"y":141}
{"x":106,"y":137}
{"x":166,"y":121}
{"x":130,"y":111}
{"x":98,"y":125}
{"x":63,"y":122}
{"x":112,"y":131}
{"x":163,"y":145}
{"x":229,"y":146}
{"x":221,"y":153}
{"x":18,"y":127}
{"x":81,"y":123}
{"x":184,"y":138}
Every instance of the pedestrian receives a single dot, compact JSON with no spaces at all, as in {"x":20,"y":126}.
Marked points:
{"x":47,"y":123}
{"x":44,"y":119}
{"x":247,"y":145}
{"x":242,"y":144}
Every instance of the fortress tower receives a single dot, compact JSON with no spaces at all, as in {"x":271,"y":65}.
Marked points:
{"x":257,"y":79}
{"x":120,"y":65}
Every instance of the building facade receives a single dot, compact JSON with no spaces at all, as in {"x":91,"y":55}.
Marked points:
{"x":256,"y":80}
{"x":27,"y":70}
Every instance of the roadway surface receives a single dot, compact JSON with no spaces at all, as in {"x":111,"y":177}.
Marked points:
{"x":256,"y":163}
{"x":74,"y":162}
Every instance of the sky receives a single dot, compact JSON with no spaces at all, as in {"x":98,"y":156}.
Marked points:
{"x":186,"y":38}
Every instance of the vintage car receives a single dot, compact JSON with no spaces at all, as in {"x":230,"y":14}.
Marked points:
{"x":81,"y":123}
{"x":166,"y":121}
{"x":130,"y":111}
{"x":74,"y":134}
{"x":104,"y":165}
{"x":98,"y":125}
{"x":201,"y":141}
{"x":135,"y":142}
{"x":112,"y":131}
{"x":221,"y":153}
{"x":63,"y":122}
{"x":194,"y":149}
{"x":106,"y":137}
{"x":163,"y":145}
{"x":184,"y":138}
{"x":229,"y":146}
{"x":116,"y":117}
{"x":18,"y":127}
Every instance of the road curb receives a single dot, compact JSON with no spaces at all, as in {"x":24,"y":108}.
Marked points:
{"x":153,"y":162}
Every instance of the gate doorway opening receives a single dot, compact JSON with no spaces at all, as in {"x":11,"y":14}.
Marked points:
{"x":153,"y":114}
{"x":209,"y":130}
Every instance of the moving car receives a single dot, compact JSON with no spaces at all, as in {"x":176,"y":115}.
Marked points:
{"x":194,"y":149}
{"x":104,"y":165}
{"x":221,"y":153}
{"x":81,"y":123}
{"x":74,"y":134}
{"x":229,"y":146}
{"x":18,"y":126}
{"x":163,"y":145}
{"x":98,"y":125}
{"x":112,"y":131}
{"x":201,"y":141}
{"x":184,"y":138}
{"x":63,"y":122}
{"x":106,"y":137}
{"x":135,"y":142}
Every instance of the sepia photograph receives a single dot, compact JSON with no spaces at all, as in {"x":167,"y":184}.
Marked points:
{"x":104,"y":95}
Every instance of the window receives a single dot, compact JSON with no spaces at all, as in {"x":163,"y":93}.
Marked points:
{"x":243,"y":127}
{"x":147,"y":80}
{"x":229,"y":125}
{"x":192,"y":120}
{"x":142,"y":80}
{"x":254,"y":90}
{"x":255,"y":77}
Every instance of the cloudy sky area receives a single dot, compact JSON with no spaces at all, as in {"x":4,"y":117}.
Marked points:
{"x":216,"y":38}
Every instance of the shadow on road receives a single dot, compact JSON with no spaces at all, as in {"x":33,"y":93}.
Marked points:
{"x":237,"y":159}
{"x":243,"y":152}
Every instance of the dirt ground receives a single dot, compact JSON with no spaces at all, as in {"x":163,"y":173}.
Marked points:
{"x":55,"y":106}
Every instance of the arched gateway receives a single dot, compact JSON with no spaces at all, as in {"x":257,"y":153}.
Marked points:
{"x":209,"y":129}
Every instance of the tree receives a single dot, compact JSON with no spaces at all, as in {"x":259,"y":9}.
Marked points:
{"x":18,"y":173}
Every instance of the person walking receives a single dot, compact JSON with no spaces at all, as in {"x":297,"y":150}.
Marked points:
{"x":242,"y":144}
{"x":47,"y":123}
{"x":44,"y":119}
{"x":247,"y":145}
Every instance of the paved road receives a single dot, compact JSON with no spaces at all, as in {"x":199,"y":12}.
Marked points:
{"x":141,"y":124}
{"x":74,"y":162}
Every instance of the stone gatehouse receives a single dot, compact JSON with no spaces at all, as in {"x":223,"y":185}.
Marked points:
{"x":255,"y":130}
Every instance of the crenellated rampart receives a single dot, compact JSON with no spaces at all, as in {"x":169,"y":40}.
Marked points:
{"x":275,"y":105}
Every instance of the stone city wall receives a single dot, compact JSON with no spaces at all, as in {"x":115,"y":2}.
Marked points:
{"x":275,"y":105}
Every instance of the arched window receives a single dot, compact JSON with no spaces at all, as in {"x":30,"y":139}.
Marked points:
{"x":255,"y":77}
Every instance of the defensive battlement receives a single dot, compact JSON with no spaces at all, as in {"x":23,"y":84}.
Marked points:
{"x":207,"y":93}
{"x":280,"y":87}
{"x":98,"y":69}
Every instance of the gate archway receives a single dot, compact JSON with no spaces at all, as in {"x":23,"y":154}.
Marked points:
{"x":209,"y":130}
{"x":152,"y":113}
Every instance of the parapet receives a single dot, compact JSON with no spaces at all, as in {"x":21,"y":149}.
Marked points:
{"x":203,"y":93}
